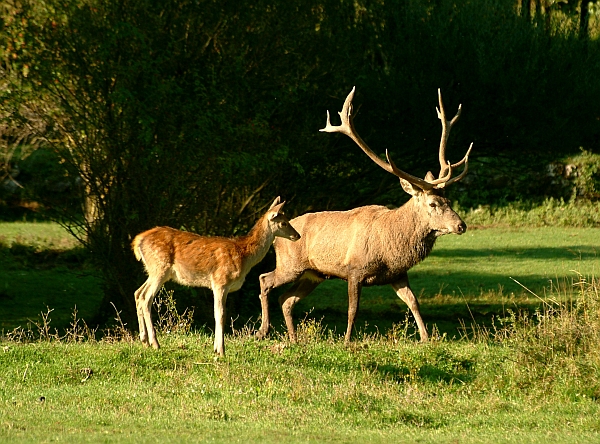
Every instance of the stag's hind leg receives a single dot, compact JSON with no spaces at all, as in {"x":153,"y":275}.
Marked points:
{"x":301,"y":288}
{"x":402,"y":289}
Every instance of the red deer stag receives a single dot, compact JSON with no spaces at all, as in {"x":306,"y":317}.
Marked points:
{"x":370,"y":245}
{"x":218,"y":263}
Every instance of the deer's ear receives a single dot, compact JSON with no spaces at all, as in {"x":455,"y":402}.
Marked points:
{"x":429,"y":177}
{"x":411,"y":189}
{"x":275,"y":210}
{"x":277,"y":201}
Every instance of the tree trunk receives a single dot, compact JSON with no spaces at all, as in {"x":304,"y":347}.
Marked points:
{"x":584,"y":19}
{"x":526,"y":9}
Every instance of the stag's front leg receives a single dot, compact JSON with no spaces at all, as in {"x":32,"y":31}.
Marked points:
{"x":354,"y":291}
{"x":220,"y":295}
{"x":402,"y":289}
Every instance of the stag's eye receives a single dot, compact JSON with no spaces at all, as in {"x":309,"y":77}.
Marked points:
{"x":433,"y":204}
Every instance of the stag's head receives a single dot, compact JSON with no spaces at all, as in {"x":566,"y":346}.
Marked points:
{"x":427,"y":193}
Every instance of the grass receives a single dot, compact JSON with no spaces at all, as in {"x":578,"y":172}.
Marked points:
{"x":471,"y":277}
{"x":41,"y":267}
{"x":550,"y":213}
{"x":38,"y":235}
{"x":466,"y":278}
{"x":381,"y":388}
{"x":502,"y":375}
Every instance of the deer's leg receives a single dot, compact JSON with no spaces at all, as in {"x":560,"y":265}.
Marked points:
{"x":402,"y":289}
{"x":220,"y":295}
{"x":139,"y":297}
{"x":301,"y":288}
{"x":269,"y":281}
{"x":152,"y":285}
{"x":354,"y":290}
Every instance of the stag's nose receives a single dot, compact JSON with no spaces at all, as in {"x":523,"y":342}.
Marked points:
{"x":461,"y":228}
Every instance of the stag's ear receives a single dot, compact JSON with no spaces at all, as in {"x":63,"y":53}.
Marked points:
{"x":429,"y":177}
{"x":411,"y":189}
{"x":277,"y":201}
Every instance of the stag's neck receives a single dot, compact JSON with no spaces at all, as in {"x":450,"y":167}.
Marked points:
{"x":414,"y":235}
{"x":256,"y":243}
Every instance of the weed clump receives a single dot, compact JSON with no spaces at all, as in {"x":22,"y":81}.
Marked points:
{"x":169,"y":320}
{"x":558,"y":345}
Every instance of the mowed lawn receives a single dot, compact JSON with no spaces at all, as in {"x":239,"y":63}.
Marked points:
{"x":521,"y":385}
{"x":466,"y":278}
{"x":473,"y":276}
{"x":41,"y":268}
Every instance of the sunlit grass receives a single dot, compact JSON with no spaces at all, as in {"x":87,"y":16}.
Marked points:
{"x":506,"y":375}
{"x":521,"y":381}
{"x":41,"y":235}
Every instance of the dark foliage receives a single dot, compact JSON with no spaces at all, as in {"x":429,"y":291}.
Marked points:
{"x":197,"y":113}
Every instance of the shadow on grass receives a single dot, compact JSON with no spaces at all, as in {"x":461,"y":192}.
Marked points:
{"x":551,"y":253}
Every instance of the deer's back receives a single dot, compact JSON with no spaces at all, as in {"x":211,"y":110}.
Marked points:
{"x":192,"y":259}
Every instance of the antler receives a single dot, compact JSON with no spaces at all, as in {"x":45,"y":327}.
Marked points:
{"x":446,"y":127}
{"x":347,"y":128}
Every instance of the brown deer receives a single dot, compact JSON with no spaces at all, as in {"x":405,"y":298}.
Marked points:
{"x":370,"y":245}
{"x":218,"y":263}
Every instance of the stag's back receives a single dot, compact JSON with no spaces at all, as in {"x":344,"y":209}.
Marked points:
{"x":373,"y":241}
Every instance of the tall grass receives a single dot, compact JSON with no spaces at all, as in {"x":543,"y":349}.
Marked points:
{"x":559,"y":344}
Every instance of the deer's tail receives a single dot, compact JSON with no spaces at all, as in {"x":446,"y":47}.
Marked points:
{"x":136,"y":245}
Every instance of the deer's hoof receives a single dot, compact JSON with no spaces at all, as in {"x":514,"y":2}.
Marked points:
{"x":260,"y":335}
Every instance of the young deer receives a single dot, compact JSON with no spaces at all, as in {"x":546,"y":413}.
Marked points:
{"x":218,"y":263}
{"x":370,"y":245}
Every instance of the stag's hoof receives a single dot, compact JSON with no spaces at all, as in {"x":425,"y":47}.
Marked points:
{"x":219,"y":354}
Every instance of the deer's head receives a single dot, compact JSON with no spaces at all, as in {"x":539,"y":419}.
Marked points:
{"x":279,"y":223}
{"x":427,"y":193}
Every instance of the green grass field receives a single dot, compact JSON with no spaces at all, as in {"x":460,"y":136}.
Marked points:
{"x":40,"y":268}
{"x":497,"y":376}
{"x":467,"y":278}
{"x":385,"y":389}
{"x":471,"y":276}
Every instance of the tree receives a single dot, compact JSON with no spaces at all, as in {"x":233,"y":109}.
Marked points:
{"x":197,"y":113}
{"x":163,"y":111}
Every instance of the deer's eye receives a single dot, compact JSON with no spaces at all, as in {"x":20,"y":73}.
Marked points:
{"x":433,"y":204}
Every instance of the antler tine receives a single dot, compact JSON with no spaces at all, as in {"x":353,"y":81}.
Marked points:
{"x":347,"y":125}
{"x":423,"y":184}
{"x":347,"y":128}
{"x":446,"y":127}
{"x":465,"y":160}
